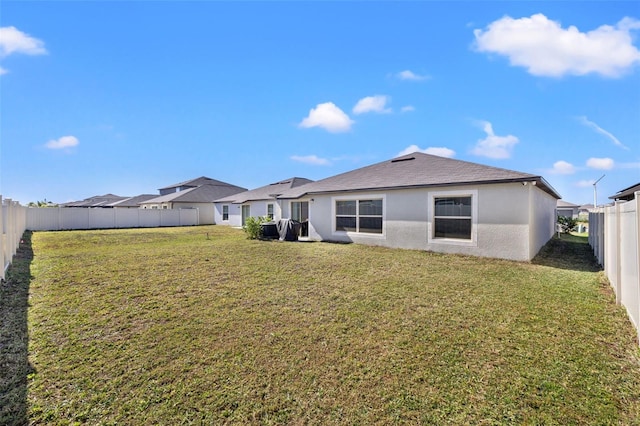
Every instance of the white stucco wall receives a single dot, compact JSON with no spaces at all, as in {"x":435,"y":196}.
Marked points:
{"x":501,"y":226}
{"x":542,"y":219}
{"x":258,"y":209}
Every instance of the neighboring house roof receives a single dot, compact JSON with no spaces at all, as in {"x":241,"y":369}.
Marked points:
{"x":202,"y":180}
{"x":417,"y":170}
{"x":201,"y":194}
{"x":585,"y":207}
{"x":626,"y":194}
{"x":95,"y":201}
{"x":266,"y":192}
{"x":566,"y":205}
{"x":133,"y":201}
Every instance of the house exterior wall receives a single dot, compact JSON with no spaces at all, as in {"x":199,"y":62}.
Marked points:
{"x":258,"y":209}
{"x":501,"y":220}
{"x":542,"y":220}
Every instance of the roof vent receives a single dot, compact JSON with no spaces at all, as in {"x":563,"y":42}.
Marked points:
{"x":398,"y":160}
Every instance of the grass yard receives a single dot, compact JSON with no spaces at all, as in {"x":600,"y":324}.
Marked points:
{"x":199,"y":325}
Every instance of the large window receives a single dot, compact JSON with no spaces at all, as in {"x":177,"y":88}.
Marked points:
{"x":225,"y":212}
{"x":452,"y":217}
{"x":359,"y":216}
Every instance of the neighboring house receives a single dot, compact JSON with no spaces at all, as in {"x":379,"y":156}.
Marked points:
{"x":626,"y":194}
{"x":235,"y":209}
{"x":132,"y":202}
{"x":198,"y":194}
{"x":96,"y":201}
{"x":425,"y":202}
{"x":566,"y":209}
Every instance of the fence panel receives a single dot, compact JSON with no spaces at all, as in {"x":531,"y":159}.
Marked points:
{"x":620,"y":241}
{"x":628,"y":254}
{"x":67,"y":218}
{"x":12,"y":226}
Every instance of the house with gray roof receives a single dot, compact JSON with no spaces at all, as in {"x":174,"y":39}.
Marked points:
{"x":235,"y":209}
{"x":567,"y":209}
{"x":626,"y":194}
{"x":197,"y":193}
{"x":132,"y":202}
{"x":425,"y":202}
{"x":97,"y":201}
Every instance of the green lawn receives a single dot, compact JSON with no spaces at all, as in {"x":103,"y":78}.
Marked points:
{"x":199,"y":325}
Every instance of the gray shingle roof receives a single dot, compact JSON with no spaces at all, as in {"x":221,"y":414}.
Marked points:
{"x":95,"y":201}
{"x":566,"y":204}
{"x":202,"y":180}
{"x":133,"y":201}
{"x":266,"y":192}
{"x":627,"y":193}
{"x":200,"y":194}
{"x":416,"y":170}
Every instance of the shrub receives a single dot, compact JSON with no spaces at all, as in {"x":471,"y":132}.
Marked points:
{"x":252,"y":227}
{"x":567,"y":224}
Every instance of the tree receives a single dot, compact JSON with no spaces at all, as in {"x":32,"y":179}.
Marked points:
{"x":43,"y":203}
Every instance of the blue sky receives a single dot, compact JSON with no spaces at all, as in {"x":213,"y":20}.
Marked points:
{"x":126,"y":97}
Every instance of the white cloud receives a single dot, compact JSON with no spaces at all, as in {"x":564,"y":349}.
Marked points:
{"x":600,"y":163}
{"x":311,"y":159}
{"x":63,"y":142}
{"x":563,"y":168}
{"x":3,"y":71}
{"x":493,"y":146}
{"x":439,"y":151}
{"x":585,"y":183}
{"x":329,"y":117}
{"x":12,"y":40}
{"x":407,"y":108}
{"x":602,"y":131}
{"x":411,"y":76}
{"x":375,"y":103}
{"x":546,"y":49}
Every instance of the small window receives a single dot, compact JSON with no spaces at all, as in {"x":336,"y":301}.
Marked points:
{"x":270,"y":211}
{"x":452,"y":217}
{"x":225,"y":212}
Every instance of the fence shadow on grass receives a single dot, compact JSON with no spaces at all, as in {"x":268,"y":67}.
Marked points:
{"x":568,"y":252}
{"x":14,"y":336}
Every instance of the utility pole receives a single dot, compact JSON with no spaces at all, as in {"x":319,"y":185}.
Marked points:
{"x":595,"y":192}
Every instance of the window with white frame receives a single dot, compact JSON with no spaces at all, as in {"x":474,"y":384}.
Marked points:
{"x":225,"y":212}
{"x":360,"y":215}
{"x":270,"y":211}
{"x":452,"y":217}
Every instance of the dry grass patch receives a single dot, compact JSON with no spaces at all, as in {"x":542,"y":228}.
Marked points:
{"x":200,"y":325}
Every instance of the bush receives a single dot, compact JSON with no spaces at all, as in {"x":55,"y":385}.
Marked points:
{"x":567,"y":224}
{"x":252,"y":227}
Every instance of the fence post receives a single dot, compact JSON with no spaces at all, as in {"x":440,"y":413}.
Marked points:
{"x":618,"y":244}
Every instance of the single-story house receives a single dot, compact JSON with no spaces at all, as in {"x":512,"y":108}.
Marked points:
{"x":132,"y":202}
{"x":626,"y":194}
{"x":566,"y":209}
{"x":102,"y":201}
{"x":235,"y":209}
{"x":198,"y":194}
{"x":426,"y":202}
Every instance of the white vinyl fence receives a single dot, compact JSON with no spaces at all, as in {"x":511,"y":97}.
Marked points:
{"x":12,"y":225}
{"x":66,"y":218}
{"x":15,"y":219}
{"x":614,"y":235}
